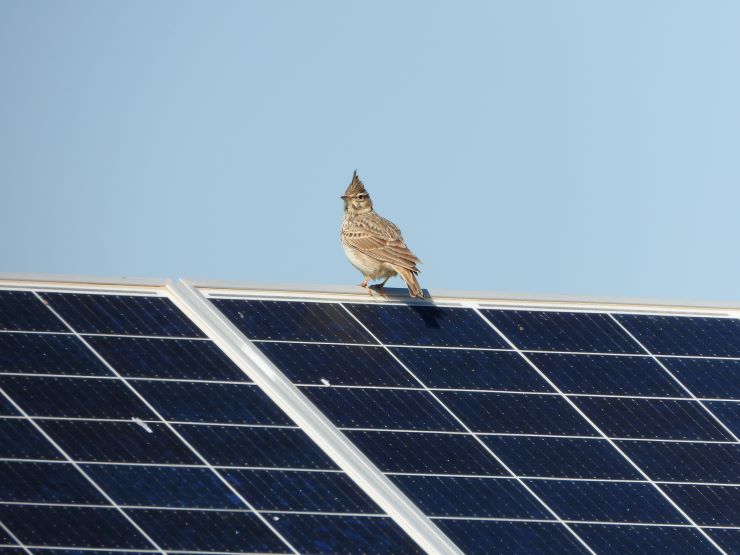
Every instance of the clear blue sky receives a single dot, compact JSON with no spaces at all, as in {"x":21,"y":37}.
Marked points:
{"x":541,"y":147}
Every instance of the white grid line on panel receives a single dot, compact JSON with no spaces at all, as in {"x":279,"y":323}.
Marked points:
{"x":362,"y":515}
{"x":380,"y":387}
{"x":172,"y":429}
{"x":289,"y":398}
{"x":16,"y":539}
{"x":338,"y":471}
{"x":364,"y":429}
{"x":675,"y":379}
{"x":473,"y":435}
{"x":115,"y":335}
{"x":192,"y":509}
{"x":488,"y":349}
{"x":93,"y":550}
{"x":600,"y":432}
{"x":87,"y":477}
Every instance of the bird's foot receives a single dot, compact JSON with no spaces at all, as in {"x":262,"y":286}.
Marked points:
{"x":364,"y":283}
{"x":378,"y":288}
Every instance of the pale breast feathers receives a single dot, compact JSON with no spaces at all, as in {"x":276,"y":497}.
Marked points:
{"x":380,"y":239}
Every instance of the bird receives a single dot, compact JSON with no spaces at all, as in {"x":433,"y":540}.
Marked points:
{"x":373,"y":244}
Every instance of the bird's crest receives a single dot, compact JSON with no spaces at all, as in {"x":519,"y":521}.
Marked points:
{"x":355,"y":186}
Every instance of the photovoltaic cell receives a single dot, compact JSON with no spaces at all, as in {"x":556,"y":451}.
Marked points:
{"x":681,"y":335}
{"x":562,"y":457}
{"x":36,"y":482}
{"x":22,"y":310}
{"x":74,"y":398}
{"x":20,"y":440}
{"x":122,"y":314}
{"x":464,"y":369}
{"x":47,"y":354}
{"x":167,"y":358}
{"x":293,"y":321}
{"x":238,"y":531}
{"x":514,"y":413}
{"x":426,"y":452}
{"x":652,"y":418}
{"x":426,"y":325}
{"x":166,"y":486}
{"x":60,"y":526}
{"x":523,"y":538}
{"x":562,"y":331}
{"x":607,"y":375}
{"x":607,"y":501}
{"x":344,"y":534}
{"x":212,"y":402}
{"x":689,"y":462}
{"x":298,"y":490}
{"x":337,"y":364}
{"x":667,"y":540}
{"x":728,"y":412}
{"x":382,"y":409}
{"x":708,"y":505}
{"x":263,"y":447}
{"x":712,"y":378}
{"x":727,"y":538}
{"x":471,"y":497}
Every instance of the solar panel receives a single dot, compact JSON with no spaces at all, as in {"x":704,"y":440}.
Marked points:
{"x":526,"y":430}
{"x":534,"y":430}
{"x":124,"y":428}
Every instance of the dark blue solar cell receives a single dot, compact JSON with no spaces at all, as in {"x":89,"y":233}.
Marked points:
{"x":22,"y":310}
{"x":337,"y":364}
{"x":667,"y":540}
{"x":471,"y":497}
{"x":7,"y":408}
{"x":607,"y":501}
{"x":97,"y":552}
{"x":680,"y":335}
{"x":60,"y":526}
{"x":521,"y":538}
{"x":20,"y":440}
{"x":651,"y":418}
{"x":163,"y":486}
{"x":515,"y":413}
{"x":208,"y":531}
{"x":607,"y":374}
{"x":382,"y":408}
{"x":29,"y":353}
{"x":426,"y":452}
{"x":462,"y":369}
{"x":299,"y":490}
{"x":122,"y":314}
{"x":562,"y":331}
{"x":75,"y":397}
{"x":102,"y":441}
{"x":211,"y":402}
{"x":687,"y":462}
{"x":293,"y":321}
{"x":261,"y":447}
{"x":343,"y":534}
{"x":184,"y":359}
{"x":727,"y":538}
{"x":706,"y":377}
{"x":708,"y":505}
{"x":427,"y":325}
{"x":562,"y":457}
{"x":728,"y":412}
{"x":33,"y":482}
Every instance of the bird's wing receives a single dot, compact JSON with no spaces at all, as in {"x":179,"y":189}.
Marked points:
{"x":380,"y":239}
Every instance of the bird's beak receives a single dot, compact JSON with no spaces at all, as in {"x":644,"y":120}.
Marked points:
{"x":344,"y":197}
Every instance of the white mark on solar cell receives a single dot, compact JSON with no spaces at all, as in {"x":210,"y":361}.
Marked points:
{"x":325,"y":382}
{"x":142,"y":424}
{"x":276,"y":518}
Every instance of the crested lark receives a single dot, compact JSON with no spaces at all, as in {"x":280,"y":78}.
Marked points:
{"x":373,"y":244}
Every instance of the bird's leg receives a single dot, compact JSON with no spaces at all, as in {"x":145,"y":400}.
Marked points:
{"x":364,"y":282}
{"x":378,"y":287}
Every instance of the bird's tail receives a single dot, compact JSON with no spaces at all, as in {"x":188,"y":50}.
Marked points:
{"x":409,"y":276}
